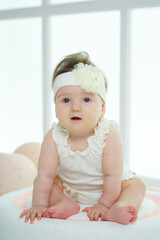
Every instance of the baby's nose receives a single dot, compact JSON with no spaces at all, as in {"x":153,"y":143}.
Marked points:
{"x":76,"y":107}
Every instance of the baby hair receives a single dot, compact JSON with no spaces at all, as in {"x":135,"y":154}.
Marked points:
{"x":68,"y":62}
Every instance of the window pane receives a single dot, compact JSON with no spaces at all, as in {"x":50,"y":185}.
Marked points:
{"x":67,"y":1}
{"x":20,"y":83}
{"x":98,"y":34}
{"x":12,"y":4}
{"x":145,"y":97}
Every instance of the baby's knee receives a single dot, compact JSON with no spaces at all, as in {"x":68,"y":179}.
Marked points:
{"x":135,"y":183}
{"x":139,"y":183}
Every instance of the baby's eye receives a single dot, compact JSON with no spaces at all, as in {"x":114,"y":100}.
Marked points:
{"x":65,"y":100}
{"x":87,"y":99}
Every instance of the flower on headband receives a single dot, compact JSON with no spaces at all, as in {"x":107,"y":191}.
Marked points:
{"x":90,"y":78}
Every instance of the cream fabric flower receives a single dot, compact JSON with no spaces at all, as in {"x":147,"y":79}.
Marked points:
{"x":90,"y":78}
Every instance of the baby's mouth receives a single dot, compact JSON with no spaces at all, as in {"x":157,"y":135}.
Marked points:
{"x":76,"y":118}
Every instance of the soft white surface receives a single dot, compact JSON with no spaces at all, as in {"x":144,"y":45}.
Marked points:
{"x":79,"y":228}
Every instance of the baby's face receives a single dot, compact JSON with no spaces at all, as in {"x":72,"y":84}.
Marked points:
{"x":77,"y":110}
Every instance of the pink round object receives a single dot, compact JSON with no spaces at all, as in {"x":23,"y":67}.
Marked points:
{"x":31,"y":150}
{"x":17,"y":171}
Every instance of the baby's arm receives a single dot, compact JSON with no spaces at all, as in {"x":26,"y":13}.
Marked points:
{"x":47,"y":169}
{"x":112,"y":164}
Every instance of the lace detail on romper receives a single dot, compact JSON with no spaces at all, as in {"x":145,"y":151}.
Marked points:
{"x":60,"y":136}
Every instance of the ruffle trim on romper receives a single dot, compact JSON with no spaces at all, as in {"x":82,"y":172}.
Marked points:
{"x":102,"y":129}
{"x":60,"y":136}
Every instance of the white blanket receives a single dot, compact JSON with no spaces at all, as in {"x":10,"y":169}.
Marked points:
{"x":77,"y":227}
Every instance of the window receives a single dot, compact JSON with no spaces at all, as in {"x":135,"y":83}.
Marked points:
{"x":20,"y":83}
{"x":145,"y":97}
{"x":13,"y":4}
{"x":66,"y":1}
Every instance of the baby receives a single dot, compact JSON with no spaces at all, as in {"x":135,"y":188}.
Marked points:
{"x":81,"y":160}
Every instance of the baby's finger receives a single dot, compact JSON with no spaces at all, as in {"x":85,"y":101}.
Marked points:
{"x":102,"y":217}
{"x":86,"y":209}
{"x":27,"y":217}
{"x":96,"y":216}
{"x":32,"y":218}
{"x":91,"y":215}
{"x":39,"y":215}
{"x":23,"y":213}
{"x":46,"y":214}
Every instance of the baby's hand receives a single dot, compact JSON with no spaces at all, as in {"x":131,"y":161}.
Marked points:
{"x":36,"y":211}
{"x":95,"y":212}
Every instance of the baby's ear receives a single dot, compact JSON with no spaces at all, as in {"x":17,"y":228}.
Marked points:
{"x":103,"y":109}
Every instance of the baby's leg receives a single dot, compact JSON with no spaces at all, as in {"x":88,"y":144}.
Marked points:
{"x":125,"y":210}
{"x":60,"y":206}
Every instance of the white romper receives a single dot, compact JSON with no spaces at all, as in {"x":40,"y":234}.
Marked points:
{"x":81,"y":172}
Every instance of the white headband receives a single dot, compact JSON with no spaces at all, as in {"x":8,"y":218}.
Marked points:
{"x":86,"y":76}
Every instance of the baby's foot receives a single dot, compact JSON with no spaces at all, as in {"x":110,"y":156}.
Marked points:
{"x":123,"y":215}
{"x":63,"y":209}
